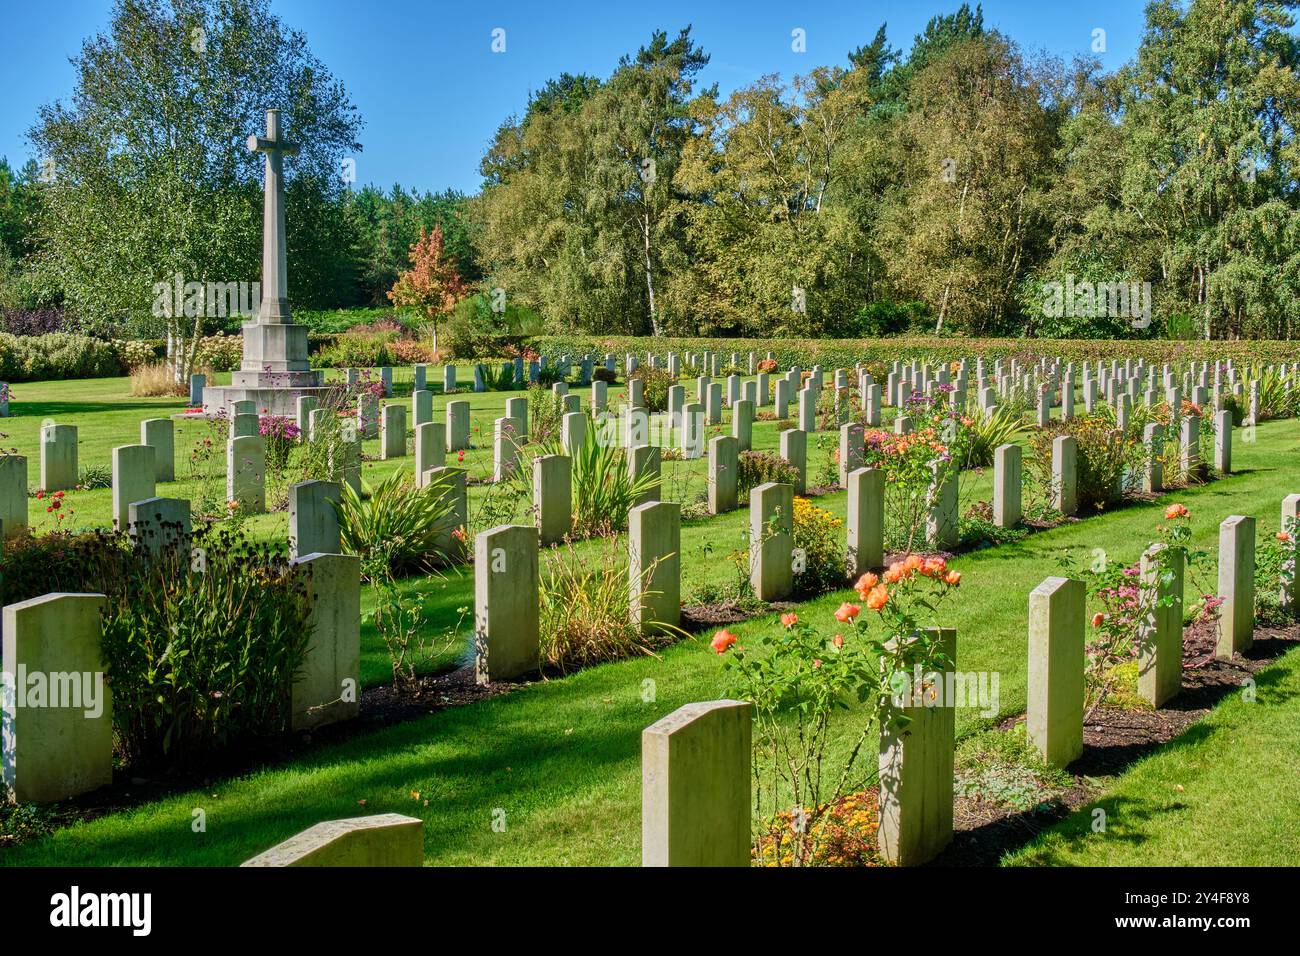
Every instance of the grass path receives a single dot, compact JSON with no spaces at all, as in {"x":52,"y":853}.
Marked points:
{"x":558,"y":761}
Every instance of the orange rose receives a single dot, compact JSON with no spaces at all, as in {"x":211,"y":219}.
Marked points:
{"x":912,"y":563}
{"x":722,"y":640}
{"x":866,"y":583}
{"x":817,"y":662}
{"x":934,"y":567}
{"x":953,"y":578}
{"x":789,"y":620}
{"x":878,"y":597}
{"x":1284,"y":536}
{"x":894,"y":573}
{"x":1175,"y":511}
{"x":847,"y":612}
{"x":838,"y":640}
{"x":1097,"y":619}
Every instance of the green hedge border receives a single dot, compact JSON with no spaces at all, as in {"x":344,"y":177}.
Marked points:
{"x":834,"y":353}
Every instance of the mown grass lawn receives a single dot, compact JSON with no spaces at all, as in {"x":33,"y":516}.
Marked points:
{"x":558,"y":761}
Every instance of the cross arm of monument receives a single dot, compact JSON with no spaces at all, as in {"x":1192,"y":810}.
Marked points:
{"x":260,"y":144}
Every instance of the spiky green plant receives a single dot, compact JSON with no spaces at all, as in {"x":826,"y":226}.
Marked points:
{"x":603,"y":490}
{"x":395,"y":518}
{"x":987,"y":432}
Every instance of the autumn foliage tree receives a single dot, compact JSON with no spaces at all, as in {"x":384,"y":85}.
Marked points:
{"x":433,"y":284}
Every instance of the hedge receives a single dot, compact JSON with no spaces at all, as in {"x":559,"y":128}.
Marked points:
{"x":835,"y":353}
{"x":57,"y":355}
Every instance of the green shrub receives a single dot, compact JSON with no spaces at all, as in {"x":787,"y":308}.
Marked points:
{"x":986,"y":433}
{"x":585,"y":612}
{"x":395,"y":519}
{"x":57,"y":355}
{"x":655,"y":390}
{"x":603,"y":490}
{"x":201,"y":651}
{"x":1103,"y":456}
{"x":754,"y":468}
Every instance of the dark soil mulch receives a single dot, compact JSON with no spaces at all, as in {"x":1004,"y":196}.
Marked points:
{"x":1113,"y":739}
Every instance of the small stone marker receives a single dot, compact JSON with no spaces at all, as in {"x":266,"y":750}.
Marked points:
{"x":916,"y":767}
{"x":794,"y":449}
{"x":246,"y":474}
{"x":368,"y":415}
{"x":1290,"y":525}
{"x":553,"y":496}
{"x":644,"y":461}
{"x":1223,"y":442}
{"x":692,"y":431}
{"x":723,"y":459}
{"x":655,"y":567}
{"x":942,"y":530}
{"x":326,"y":688}
{"x":1236,"y":586}
{"x":393,"y":431}
{"x":1006,"y":486}
{"x":517,"y":408}
{"x":506,"y":640}
{"x":457,"y":425}
{"x":430,"y":449}
{"x":304,"y":406}
{"x":771,"y":540}
{"x":386,"y":839}
{"x":1054,"y":719}
{"x":695,"y":786}
{"x":852,"y":449}
{"x":450,"y":483}
{"x":133,"y":480}
{"x":1160,"y":636}
{"x":866,"y":521}
{"x":55,"y":748}
{"x":58,"y":457}
{"x":1153,"y":440}
{"x":160,"y":524}
{"x":313,"y":522}
{"x":1065,"y":475}
{"x":742,"y":423}
{"x":421,"y":407}
{"x":573,"y":432}
{"x":197,"y":384}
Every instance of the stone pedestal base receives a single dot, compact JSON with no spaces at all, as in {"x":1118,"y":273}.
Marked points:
{"x":277,"y":400}
{"x":275,"y":348}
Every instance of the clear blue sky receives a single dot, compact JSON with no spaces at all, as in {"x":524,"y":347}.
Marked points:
{"x":432,"y":92}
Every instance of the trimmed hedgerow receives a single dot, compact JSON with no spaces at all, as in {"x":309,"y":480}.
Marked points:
{"x":834,"y":353}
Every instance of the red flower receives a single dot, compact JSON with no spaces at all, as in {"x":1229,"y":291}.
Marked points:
{"x":722,"y":640}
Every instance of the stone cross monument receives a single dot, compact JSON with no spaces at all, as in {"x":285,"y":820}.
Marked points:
{"x":275,"y":370}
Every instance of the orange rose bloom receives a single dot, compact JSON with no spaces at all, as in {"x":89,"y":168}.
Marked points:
{"x":817,"y":662}
{"x":866,"y":583}
{"x":847,"y":612}
{"x":1175,"y":511}
{"x":953,"y":578}
{"x":912,"y":563}
{"x":1097,"y":619}
{"x":1284,"y":536}
{"x":722,"y":640}
{"x":894,"y":574}
{"x":789,"y":620}
{"x":838,"y":640}
{"x":934,"y":567}
{"x":878,"y":597}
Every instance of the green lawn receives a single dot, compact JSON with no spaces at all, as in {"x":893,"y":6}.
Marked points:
{"x":560,"y":759}
{"x":1225,"y":792}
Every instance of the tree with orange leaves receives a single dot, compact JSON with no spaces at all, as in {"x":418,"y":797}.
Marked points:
{"x":432,"y":285}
